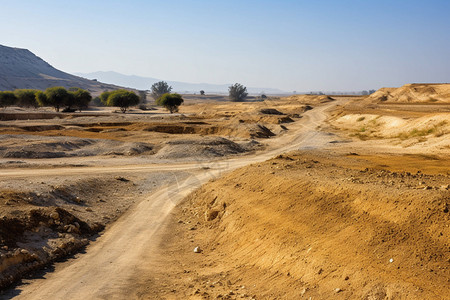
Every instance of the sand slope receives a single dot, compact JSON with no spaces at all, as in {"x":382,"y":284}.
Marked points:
{"x":414,"y":93}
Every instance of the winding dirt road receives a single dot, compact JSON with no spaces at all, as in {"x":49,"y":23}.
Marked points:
{"x":103,"y":272}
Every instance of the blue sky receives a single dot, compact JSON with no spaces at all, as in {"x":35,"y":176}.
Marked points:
{"x":292,"y":45}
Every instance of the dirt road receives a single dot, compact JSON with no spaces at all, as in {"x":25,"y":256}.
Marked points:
{"x":103,"y":271}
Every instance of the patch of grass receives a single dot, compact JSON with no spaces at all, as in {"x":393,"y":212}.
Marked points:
{"x":416,"y":133}
{"x":361,"y":136}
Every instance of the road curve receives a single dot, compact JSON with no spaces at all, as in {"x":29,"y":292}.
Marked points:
{"x":103,"y":271}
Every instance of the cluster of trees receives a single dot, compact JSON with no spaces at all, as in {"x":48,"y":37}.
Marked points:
{"x":120,"y":98}
{"x":76,"y":98}
{"x":161,"y":93}
{"x":237,"y":92}
{"x":57,"y":97}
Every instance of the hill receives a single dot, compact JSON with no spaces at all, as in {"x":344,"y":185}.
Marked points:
{"x":144,"y":83}
{"x":414,"y":93}
{"x":20,"y":69}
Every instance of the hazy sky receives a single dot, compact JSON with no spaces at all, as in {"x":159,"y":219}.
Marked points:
{"x":291,"y":45}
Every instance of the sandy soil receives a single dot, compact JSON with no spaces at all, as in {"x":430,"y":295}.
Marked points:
{"x":314,"y":225}
{"x":98,"y":165}
{"x":349,"y":216}
{"x":414,"y":93}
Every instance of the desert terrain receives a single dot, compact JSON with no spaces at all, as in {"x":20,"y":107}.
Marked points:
{"x":302,"y":197}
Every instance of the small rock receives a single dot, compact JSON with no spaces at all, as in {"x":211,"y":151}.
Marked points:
{"x":197,"y":250}
{"x":338,"y":290}
{"x":24,"y":251}
{"x":54,"y":215}
{"x":391,"y":260}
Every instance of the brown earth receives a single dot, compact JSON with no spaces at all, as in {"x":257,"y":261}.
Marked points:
{"x":348,"y":216}
{"x":57,"y":214}
{"x":313,"y":224}
{"x":414,"y":93}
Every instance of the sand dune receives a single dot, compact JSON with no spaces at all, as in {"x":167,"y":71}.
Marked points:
{"x":414,"y":93}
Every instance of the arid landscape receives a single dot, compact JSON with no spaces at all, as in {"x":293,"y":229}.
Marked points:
{"x":299,"y":197}
{"x":200,"y":150}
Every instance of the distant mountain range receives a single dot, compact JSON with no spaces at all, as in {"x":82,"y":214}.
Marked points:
{"x":145,"y":83}
{"x":21,"y":69}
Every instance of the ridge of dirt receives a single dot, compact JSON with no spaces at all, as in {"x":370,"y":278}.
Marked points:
{"x":413,"y":93}
{"x":311,"y":225}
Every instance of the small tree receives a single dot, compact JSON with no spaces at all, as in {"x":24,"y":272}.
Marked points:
{"x":237,"y":92}
{"x":26,"y":98}
{"x":81,"y":98}
{"x":7,"y":98}
{"x":160,"y":88}
{"x":202,"y":92}
{"x":170,"y":101}
{"x":123,"y":99}
{"x":57,"y":96}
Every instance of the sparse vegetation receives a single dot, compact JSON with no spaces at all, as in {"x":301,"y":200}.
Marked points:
{"x":237,"y":92}
{"x":104,"y":97}
{"x":81,"y":98}
{"x":26,"y":98}
{"x":56,"y":97}
{"x":160,"y":88}
{"x":122,"y":99}
{"x":170,"y":101}
{"x":7,"y":98}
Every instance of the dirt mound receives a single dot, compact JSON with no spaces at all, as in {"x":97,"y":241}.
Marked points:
{"x":199,"y":149}
{"x":310,"y":98}
{"x":413,"y":93}
{"x":24,"y":146}
{"x":38,"y":236}
{"x":305,"y":227}
{"x":430,"y":130}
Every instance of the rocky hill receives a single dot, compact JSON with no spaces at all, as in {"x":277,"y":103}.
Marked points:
{"x":20,"y":68}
